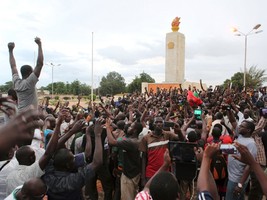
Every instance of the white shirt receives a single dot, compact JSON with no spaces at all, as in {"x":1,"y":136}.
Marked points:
{"x":22,"y":174}
{"x":218,"y":121}
{"x":241,"y":118}
{"x":3,"y":175}
{"x":12,"y":195}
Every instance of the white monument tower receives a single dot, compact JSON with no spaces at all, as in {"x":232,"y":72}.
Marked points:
{"x":175,"y":55}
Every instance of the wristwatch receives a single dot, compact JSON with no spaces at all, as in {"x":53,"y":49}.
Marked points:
{"x":240,"y":185}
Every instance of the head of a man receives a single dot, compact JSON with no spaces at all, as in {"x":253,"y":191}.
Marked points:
{"x":25,"y":71}
{"x":120,"y":124}
{"x":247,"y":113}
{"x":216,"y":133}
{"x":246,"y":128}
{"x":219,"y":115}
{"x":25,"y":155}
{"x":33,"y":189}
{"x":135,"y":129}
{"x":64,"y":160}
{"x":158,"y":124}
{"x":164,"y":186}
{"x":50,"y":122}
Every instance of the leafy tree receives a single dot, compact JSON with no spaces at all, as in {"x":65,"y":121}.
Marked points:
{"x":112,"y":84}
{"x":254,"y":78}
{"x":135,"y":85}
{"x":59,"y":88}
{"x":8,"y":85}
{"x":75,"y":87}
{"x":85,"y":89}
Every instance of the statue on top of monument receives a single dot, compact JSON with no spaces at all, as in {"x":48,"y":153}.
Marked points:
{"x":175,"y":24}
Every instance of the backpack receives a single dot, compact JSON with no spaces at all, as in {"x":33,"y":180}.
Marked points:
{"x":218,"y":167}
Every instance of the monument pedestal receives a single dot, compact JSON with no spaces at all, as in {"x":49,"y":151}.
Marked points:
{"x":175,"y":58}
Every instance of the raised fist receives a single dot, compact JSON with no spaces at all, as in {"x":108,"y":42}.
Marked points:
{"x":37,"y":41}
{"x":11,"y":46}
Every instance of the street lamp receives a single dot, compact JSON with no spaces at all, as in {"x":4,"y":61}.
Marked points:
{"x":53,"y":65}
{"x":251,"y":32}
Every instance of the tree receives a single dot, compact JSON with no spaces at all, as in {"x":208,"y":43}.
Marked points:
{"x":112,"y":84}
{"x":75,"y":87}
{"x":254,"y":78}
{"x":135,"y":85}
{"x":8,"y":85}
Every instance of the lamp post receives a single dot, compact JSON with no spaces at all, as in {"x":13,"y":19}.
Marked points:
{"x":251,"y":32}
{"x":53,"y":65}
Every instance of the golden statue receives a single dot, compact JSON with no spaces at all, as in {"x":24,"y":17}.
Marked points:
{"x":175,"y":24}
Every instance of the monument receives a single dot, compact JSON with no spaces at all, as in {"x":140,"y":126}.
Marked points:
{"x":175,"y":54}
{"x":174,"y":62}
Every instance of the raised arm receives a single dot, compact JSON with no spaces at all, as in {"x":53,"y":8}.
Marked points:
{"x":11,"y":46}
{"x":111,"y":140}
{"x":18,"y":130}
{"x":247,"y":158}
{"x":205,"y":181}
{"x":52,"y":145}
{"x":88,"y":146}
{"x":76,"y":128}
{"x":98,"y":154}
{"x":40,"y":58}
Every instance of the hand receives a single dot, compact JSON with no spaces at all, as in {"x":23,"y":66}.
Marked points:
{"x":78,"y":126}
{"x":211,"y":150}
{"x":11,"y":46}
{"x":37,"y":41}
{"x":246,"y":157}
{"x":22,"y":126}
{"x":98,"y":127}
{"x":237,"y":191}
{"x":63,"y":113}
{"x":108,"y":123}
{"x":8,"y":107}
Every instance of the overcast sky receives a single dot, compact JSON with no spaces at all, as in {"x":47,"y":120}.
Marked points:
{"x":129,"y":37}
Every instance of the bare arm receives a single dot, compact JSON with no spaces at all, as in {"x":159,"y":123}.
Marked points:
{"x":52,"y":145}
{"x":88,"y":147}
{"x":232,"y":118}
{"x":12,"y":61}
{"x":111,"y":140}
{"x":247,"y":158}
{"x":98,"y":154}
{"x":18,"y":130}
{"x":185,"y":127}
{"x":76,"y":128}
{"x":204,"y":133}
{"x":40,"y":58}
{"x":205,"y":181}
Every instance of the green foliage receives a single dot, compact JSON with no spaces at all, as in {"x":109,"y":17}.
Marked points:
{"x":135,"y":85}
{"x":112,"y":84}
{"x":89,"y":97}
{"x":56,"y":97}
{"x":74,"y":88}
{"x":254,"y":79}
{"x":66,"y":98}
{"x":4,"y":88}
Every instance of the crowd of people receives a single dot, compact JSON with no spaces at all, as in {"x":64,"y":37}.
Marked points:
{"x":176,"y":143}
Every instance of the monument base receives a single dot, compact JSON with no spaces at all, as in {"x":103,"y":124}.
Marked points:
{"x":185,"y":85}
